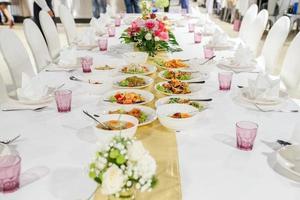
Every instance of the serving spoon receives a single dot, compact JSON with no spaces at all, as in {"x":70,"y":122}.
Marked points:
{"x":102,"y":124}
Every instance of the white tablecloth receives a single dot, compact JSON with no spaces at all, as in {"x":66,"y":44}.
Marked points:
{"x":210,"y":165}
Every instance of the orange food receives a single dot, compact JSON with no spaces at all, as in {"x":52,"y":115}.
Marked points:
{"x":175,"y":63}
{"x":115,"y":125}
{"x":180,"y":115}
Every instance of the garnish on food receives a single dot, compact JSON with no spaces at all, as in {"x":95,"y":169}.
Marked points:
{"x":180,"y":115}
{"x":135,"y":112}
{"x":174,"y":87}
{"x":174,"y":64}
{"x":127,"y":98}
{"x":133,"y":81}
{"x":180,"y":75}
{"x":186,"y":101}
{"x":135,"y":69}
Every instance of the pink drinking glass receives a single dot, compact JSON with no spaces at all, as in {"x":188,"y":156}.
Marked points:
{"x":191,"y":27}
{"x":197,"y":37}
{"x":10,"y":167}
{"x":86,"y":63}
{"x":63,"y":100}
{"x":208,"y":52}
{"x":225,"y":79}
{"x":245,"y":135}
{"x":111,"y":31}
{"x":103,"y":43}
{"x":117,"y":21}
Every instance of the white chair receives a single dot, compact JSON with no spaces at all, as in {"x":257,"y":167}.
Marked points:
{"x":15,"y":56}
{"x":37,"y":44}
{"x":249,"y":17}
{"x":290,"y":73}
{"x":51,"y":34}
{"x":3,"y":91}
{"x":69,"y":24}
{"x":274,"y":43}
{"x":256,"y":30}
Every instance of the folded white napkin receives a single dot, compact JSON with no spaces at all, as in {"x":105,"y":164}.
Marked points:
{"x":68,"y":58}
{"x":243,"y":56}
{"x":219,"y":38}
{"x":88,"y":38}
{"x":98,"y":26}
{"x":4,"y":150}
{"x":202,"y":19}
{"x":32,"y":89}
{"x":111,"y":11}
{"x":208,"y":29}
{"x":264,"y":87}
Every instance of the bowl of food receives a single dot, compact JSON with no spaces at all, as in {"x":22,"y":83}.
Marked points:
{"x":115,"y":124}
{"x":176,"y":87}
{"x":128,"y":97}
{"x":141,"y":69}
{"x":144,"y":114}
{"x":136,"y":57}
{"x":172,"y":64}
{"x":182,"y":75}
{"x":177,"y":116}
{"x":132,"y":81}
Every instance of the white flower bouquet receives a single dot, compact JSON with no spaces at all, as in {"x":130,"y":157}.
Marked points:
{"x":123,"y":165}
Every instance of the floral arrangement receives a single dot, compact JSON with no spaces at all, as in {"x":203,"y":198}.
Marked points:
{"x":121,"y":166}
{"x":149,"y":34}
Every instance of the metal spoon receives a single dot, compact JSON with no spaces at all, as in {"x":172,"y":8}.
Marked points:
{"x":102,"y":124}
{"x":11,"y":140}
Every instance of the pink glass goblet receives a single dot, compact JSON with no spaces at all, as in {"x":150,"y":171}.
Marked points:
{"x":208,"y":52}
{"x":245,"y":135}
{"x":10,"y":167}
{"x":86,"y":63}
{"x":63,"y":100}
{"x":111,"y":31}
{"x":197,"y":37}
{"x":225,"y":79}
{"x":103,"y":43}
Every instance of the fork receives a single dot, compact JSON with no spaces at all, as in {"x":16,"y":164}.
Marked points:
{"x":273,"y":110}
{"x":24,"y":109}
{"x":11,"y":140}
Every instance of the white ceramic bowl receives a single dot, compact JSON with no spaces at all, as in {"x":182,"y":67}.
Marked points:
{"x":164,"y":111}
{"x":106,"y":135}
{"x":289,"y":158}
{"x":165,"y":100}
{"x":118,"y":79}
{"x":136,"y":57}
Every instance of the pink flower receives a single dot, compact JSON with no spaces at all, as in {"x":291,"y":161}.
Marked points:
{"x":164,"y":36}
{"x":150,"y":24}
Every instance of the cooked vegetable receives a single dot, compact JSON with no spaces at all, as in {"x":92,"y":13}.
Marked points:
{"x":132,"y":81}
{"x":115,"y":125}
{"x":180,"y":115}
{"x":186,"y":101}
{"x":140,"y":115}
{"x":183,"y":76}
{"x":135,"y":69}
{"x":174,"y":63}
{"x":174,"y":87}
{"x":127,"y":98}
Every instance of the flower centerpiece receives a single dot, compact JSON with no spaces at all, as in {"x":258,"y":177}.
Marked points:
{"x":123,"y":166}
{"x":150,"y":34}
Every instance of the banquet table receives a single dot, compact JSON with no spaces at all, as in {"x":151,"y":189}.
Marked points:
{"x":211,"y":167}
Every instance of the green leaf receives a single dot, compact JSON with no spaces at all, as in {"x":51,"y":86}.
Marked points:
{"x":120,"y":160}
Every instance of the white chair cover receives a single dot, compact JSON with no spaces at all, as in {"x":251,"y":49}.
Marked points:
{"x":210,"y":6}
{"x":249,"y":17}
{"x":274,"y":43}
{"x":290,"y":73}
{"x":15,"y":56}
{"x":37,"y":44}
{"x":69,"y":23}
{"x":51,"y":34}
{"x":3,"y":91}
{"x":256,"y":30}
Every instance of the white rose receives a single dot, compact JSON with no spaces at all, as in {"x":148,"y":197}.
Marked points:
{"x":136,"y":151}
{"x":113,"y":180}
{"x":146,"y":167}
{"x":156,"y":38}
{"x":148,"y":36}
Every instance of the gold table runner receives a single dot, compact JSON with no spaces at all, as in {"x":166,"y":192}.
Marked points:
{"x":162,"y":145}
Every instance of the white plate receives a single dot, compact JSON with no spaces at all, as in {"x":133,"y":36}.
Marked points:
{"x":165,"y":100}
{"x":283,"y":96}
{"x":152,"y":69}
{"x":44,"y":100}
{"x":86,"y":47}
{"x":147,"y":79}
{"x":195,"y":76}
{"x":224,"y":46}
{"x":148,"y":96}
{"x":289,"y":158}
{"x":151,"y":113}
{"x":193,"y":87}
